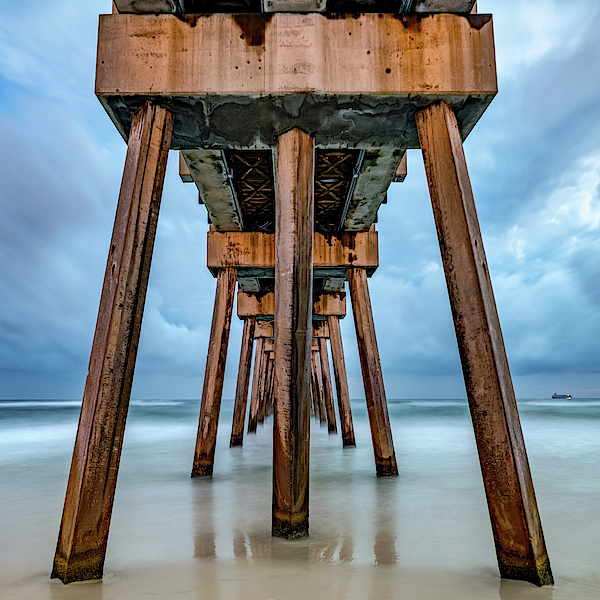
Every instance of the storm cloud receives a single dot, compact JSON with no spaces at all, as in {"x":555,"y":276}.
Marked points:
{"x":534,"y":161}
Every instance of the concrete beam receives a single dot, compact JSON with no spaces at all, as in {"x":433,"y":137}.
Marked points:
{"x":443,"y":6}
{"x":351,"y":81}
{"x":207,"y":171}
{"x":379,"y":170}
{"x":273,"y":6}
{"x":320,"y":329}
{"x":253,"y":253}
{"x":263,"y":305}
{"x":140,"y":7}
{"x":270,"y":6}
{"x":263,"y":329}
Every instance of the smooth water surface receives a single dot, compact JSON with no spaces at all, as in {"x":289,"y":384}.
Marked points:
{"x":424,"y":535}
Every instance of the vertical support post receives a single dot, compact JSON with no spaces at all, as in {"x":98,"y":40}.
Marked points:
{"x":241,"y":390}
{"x":341,"y":382}
{"x":212,"y":391}
{"x":520,"y":546}
{"x":256,"y":375}
{"x":294,"y":225}
{"x":381,"y":432}
{"x":90,"y":493}
{"x":327,"y":389}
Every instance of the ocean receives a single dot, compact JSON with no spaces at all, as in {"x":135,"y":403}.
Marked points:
{"x":423,"y":535}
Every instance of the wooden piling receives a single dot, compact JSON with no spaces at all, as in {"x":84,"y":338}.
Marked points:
{"x":327,"y":389}
{"x":241,"y":390}
{"x":294,"y":224}
{"x":90,"y":493}
{"x":516,"y":525}
{"x":381,"y":432}
{"x":341,"y":382}
{"x":212,"y":391}
{"x":256,"y":377}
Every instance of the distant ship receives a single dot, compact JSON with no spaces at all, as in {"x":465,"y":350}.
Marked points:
{"x":556,"y":396}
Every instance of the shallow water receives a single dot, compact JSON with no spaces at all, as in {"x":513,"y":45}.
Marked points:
{"x":423,"y":535}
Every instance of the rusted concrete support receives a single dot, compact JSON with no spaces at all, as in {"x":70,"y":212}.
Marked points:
{"x":264,"y":383}
{"x":268,"y":409}
{"x":511,"y":500}
{"x":341,"y":382}
{"x":383,"y":446}
{"x":294,"y":222}
{"x":318,"y":387}
{"x":241,"y":390}
{"x":256,"y":378}
{"x":327,"y":389}
{"x":93,"y":477}
{"x":314,"y":407}
{"x":210,"y":405}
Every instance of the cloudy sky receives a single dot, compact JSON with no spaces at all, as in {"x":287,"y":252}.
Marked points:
{"x":534,"y":160}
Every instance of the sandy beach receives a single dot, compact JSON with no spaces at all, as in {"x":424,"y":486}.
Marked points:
{"x":423,"y":535}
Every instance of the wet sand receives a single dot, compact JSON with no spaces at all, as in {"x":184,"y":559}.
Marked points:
{"x":423,"y":535}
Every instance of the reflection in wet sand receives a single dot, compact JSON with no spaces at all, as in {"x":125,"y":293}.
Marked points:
{"x":424,"y":535}
{"x":204,"y":538}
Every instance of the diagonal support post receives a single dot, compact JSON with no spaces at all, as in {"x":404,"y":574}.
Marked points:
{"x":241,"y":390}
{"x":259,"y":356}
{"x":379,"y":420}
{"x":83,"y":536}
{"x":210,"y":405}
{"x":516,"y":525}
{"x":341,"y":382}
{"x":327,"y":388}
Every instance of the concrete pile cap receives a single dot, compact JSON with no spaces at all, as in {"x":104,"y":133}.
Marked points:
{"x":271,"y":6}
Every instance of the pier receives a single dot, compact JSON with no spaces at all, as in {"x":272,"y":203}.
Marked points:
{"x":293,"y":118}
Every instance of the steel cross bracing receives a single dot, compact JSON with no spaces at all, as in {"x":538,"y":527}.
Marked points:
{"x":251,"y":178}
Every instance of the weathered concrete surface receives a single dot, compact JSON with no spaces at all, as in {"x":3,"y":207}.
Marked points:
{"x":341,"y":6}
{"x":263,"y":329}
{"x":273,"y":6}
{"x":83,"y":535}
{"x":440,"y":6}
{"x":320,"y":329}
{"x":210,"y":405}
{"x":253,"y":253}
{"x":350,"y":81}
{"x":379,"y":420}
{"x":241,"y":390}
{"x":263,"y":305}
{"x":341,"y":382}
{"x":518,"y":536}
{"x":378,"y":171}
{"x":207,"y":171}
{"x":294,"y":222}
{"x":149,"y":6}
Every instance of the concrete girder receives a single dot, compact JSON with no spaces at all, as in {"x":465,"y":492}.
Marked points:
{"x":262,"y":306}
{"x":253,"y":253}
{"x":379,"y":170}
{"x":270,"y":6}
{"x":351,"y":81}
{"x":208,"y":172}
